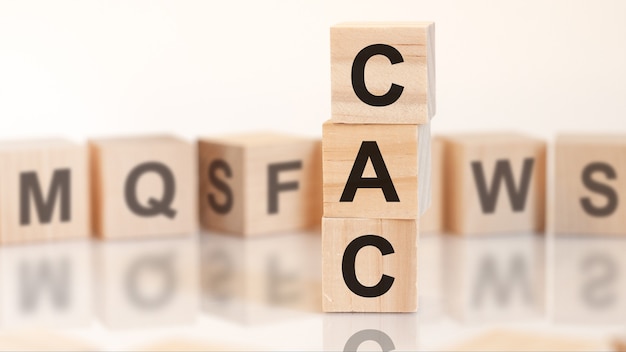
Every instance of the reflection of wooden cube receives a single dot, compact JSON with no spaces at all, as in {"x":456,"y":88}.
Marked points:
{"x":143,"y":186}
{"x":44,"y":191}
{"x":494,"y":183}
{"x":260,"y":183}
{"x":371,"y":332}
{"x":46,"y":285}
{"x":376,"y":171}
{"x":369,"y":265}
{"x":432,"y":220}
{"x":260,"y":280}
{"x":430,"y":262}
{"x":589,"y":283}
{"x":589,"y":173}
{"x":383,"y":73}
{"x":148,"y":282}
{"x":494,"y":279}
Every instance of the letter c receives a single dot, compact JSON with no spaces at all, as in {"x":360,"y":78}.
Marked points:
{"x":349,"y":272}
{"x":358,"y":75}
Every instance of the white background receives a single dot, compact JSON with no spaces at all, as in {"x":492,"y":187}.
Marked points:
{"x":86,"y":68}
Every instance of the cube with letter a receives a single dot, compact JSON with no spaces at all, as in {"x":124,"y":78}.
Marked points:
{"x":375,"y":171}
{"x":383,"y":73}
{"x":259,"y":183}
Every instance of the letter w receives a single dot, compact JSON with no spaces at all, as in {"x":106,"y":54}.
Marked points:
{"x":489,"y":197}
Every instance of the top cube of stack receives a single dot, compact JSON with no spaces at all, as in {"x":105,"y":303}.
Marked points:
{"x":383,"y":73}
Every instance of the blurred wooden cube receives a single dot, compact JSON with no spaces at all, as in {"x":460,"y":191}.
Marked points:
{"x":45,"y":190}
{"x":369,"y":265}
{"x":376,"y":171}
{"x":260,"y":183}
{"x":432,"y":220}
{"x":495,"y":183}
{"x":590,"y":173}
{"x":527,"y":341}
{"x":383,"y":73}
{"x":143,"y":186}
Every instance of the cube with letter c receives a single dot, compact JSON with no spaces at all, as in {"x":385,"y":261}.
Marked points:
{"x":383,"y":73}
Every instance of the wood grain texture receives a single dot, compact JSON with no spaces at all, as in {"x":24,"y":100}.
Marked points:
{"x":432,"y":220}
{"x":405,"y":157}
{"x":44,"y":158}
{"x":247,"y":186}
{"x":464,"y":211}
{"x":112,"y":162}
{"x":416,"y":73}
{"x":603,"y":157}
{"x":370,"y":265}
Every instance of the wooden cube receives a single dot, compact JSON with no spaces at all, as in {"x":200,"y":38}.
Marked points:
{"x":47,"y":285}
{"x":376,"y":171}
{"x":590,"y":173}
{"x":262,"y":280}
{"x":369,"y":265}
{"x":148,"y":282}
{"x":494,"y":278}
{"x":589,"y":284}
{"x":143,"y":186}
{"x":45,"y":191}
{"x":495,"y":183}
{"x":383,"y":73}
{"x":22,"y":340}
{"x":432,"y":220}
{"x":524,"y":340}
{"x":371,"y":332}
{"x":260,"y":183}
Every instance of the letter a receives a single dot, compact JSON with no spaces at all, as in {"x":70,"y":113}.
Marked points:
{"x":369,"y":150}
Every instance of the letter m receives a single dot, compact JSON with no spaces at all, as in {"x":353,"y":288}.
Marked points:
{"x":30,"y":189}
{"x":503,"y":172}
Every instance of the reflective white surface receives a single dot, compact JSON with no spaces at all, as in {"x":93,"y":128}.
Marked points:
{"x":216,"y":291}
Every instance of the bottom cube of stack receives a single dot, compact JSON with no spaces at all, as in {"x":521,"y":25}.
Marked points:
{"x":369,"y":265}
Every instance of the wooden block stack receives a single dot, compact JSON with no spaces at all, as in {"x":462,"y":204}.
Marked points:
{"x":376,"y":148}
